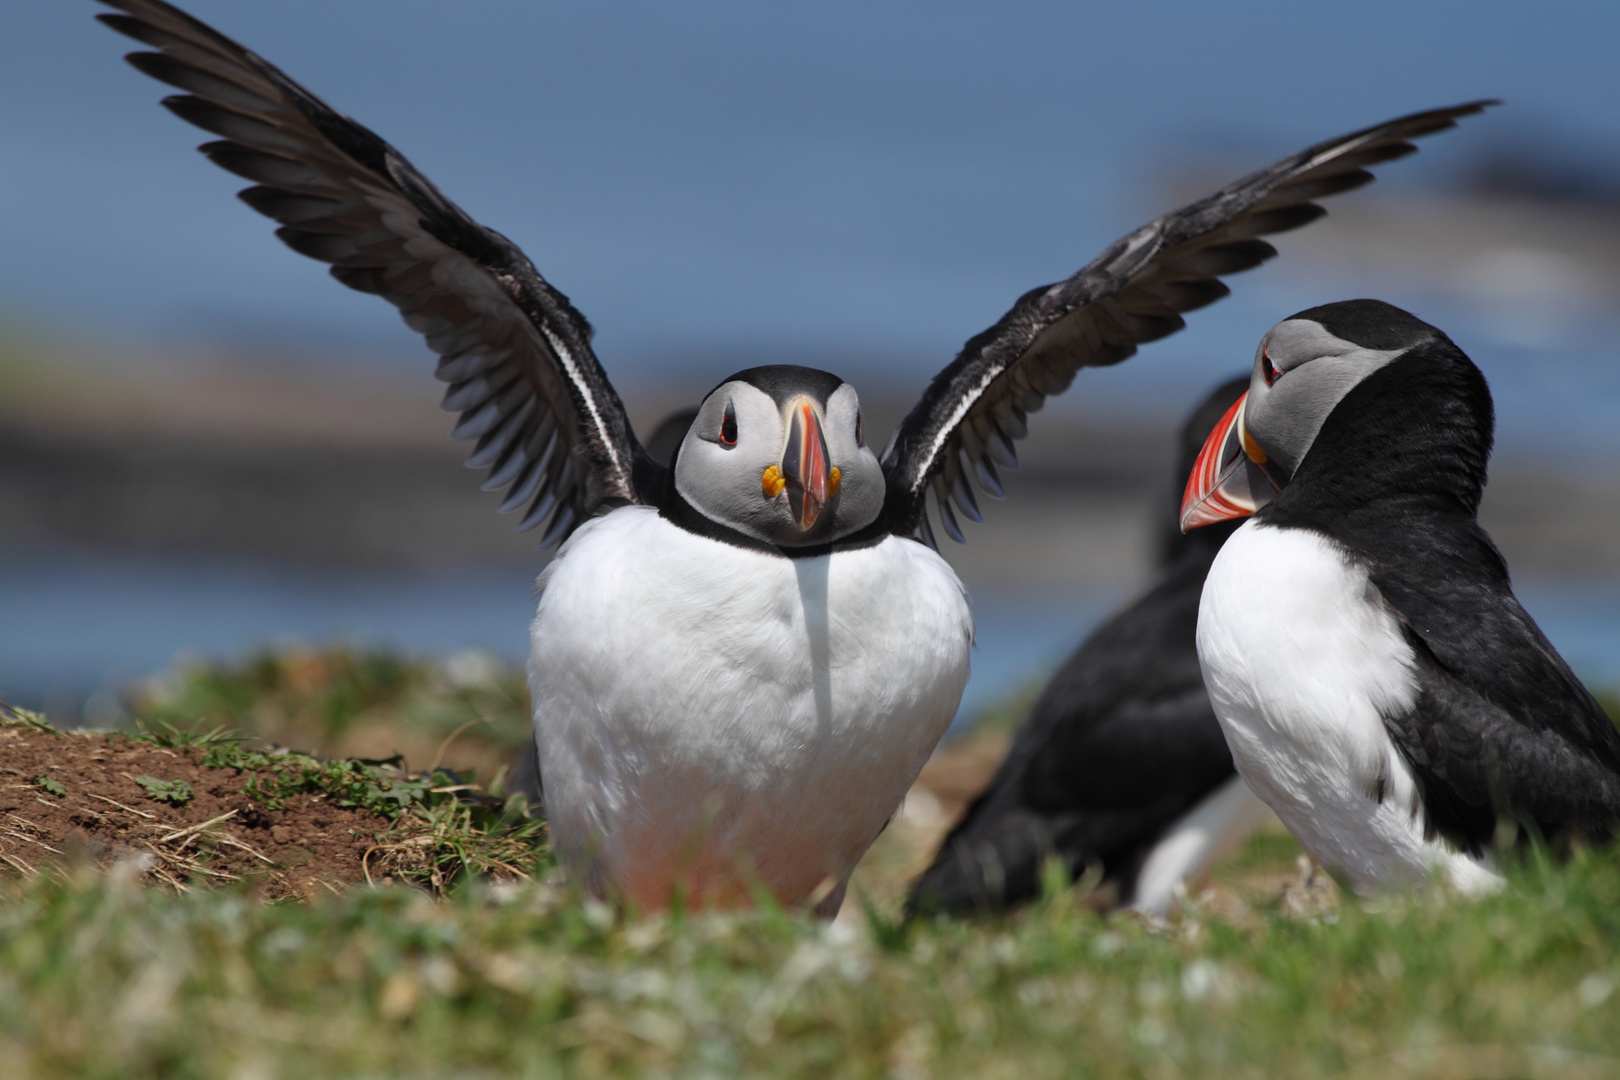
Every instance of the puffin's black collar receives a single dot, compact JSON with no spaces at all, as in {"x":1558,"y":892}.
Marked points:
{"x":678,"y":511}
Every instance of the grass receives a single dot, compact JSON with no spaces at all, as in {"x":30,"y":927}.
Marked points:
{"x":99,"y":978}
{"x":27,"y":718}
{"x":346,"y":702}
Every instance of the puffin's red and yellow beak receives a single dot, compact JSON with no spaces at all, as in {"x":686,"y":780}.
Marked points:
{"x":1227,"y":480}
{"x":809,"y":477}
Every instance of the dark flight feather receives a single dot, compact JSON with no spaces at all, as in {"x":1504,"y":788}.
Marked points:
{"x":516,"y":353}
{"x":1133,"y":293}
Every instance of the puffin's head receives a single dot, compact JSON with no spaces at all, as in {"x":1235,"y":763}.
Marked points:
{"x":777,"y":453}
{"x":1305,"y":366}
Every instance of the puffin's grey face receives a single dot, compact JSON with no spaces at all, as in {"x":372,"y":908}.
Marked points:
{"x":1302,"y":370}
{"x":792,"y":473}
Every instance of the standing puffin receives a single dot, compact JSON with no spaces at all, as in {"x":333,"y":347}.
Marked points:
{"x":740,"y":663}
{"x":1378,"y":683}
{"x":1120,"y":763}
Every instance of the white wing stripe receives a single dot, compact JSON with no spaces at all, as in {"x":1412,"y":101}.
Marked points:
{"x":566,"y":359}
{"x":948,"y":430}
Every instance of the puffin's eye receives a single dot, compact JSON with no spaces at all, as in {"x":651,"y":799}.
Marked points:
{"x":1271,"y":374}
{"x":728,"y":427}
{"x":859,"y":440}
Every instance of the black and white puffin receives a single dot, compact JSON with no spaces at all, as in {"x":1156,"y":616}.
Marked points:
{"x":1379,"y":685}
{"x":738,"y":665}
{"x":1120,"y":764}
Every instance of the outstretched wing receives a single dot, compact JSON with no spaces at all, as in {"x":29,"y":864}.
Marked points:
{"x":1134,"y":292}
{"x":517,"y":356}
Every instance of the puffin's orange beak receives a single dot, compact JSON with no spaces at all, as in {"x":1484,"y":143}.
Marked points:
{"x":806,"y":467}
{"x":1227,"y":480}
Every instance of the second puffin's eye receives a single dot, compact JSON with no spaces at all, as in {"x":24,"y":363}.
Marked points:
{"x":1271,"y":374}
{"x":728,"y":427}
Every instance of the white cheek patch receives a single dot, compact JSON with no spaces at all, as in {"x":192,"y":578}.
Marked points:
{"x":861,"y":483}
{"x":724,"y":482}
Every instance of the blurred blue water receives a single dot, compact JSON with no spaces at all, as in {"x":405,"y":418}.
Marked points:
{"x":80,"y":627}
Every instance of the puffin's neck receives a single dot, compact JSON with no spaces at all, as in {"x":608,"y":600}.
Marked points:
{"x":674,"y":508}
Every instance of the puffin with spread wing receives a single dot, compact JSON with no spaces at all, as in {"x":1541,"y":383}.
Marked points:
{"x":739,"y":664}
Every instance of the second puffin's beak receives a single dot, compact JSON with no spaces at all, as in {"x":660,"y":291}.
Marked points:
{"x":806,"y":468}
{"x":1227,"y":480}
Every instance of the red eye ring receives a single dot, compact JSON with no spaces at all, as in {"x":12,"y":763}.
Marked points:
{"x":1270,"y":373}
{"x":728,"y":427}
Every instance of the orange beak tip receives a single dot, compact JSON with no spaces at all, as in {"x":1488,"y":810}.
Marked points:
{"x":1220,"y":487}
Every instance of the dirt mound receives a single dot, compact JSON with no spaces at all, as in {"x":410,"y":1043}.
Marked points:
{"x":70,"y":795}
{"x":209,"y":808}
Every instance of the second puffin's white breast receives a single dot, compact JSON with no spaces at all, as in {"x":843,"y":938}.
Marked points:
{"x":699,"y":706}
{"x":1303,"y":659}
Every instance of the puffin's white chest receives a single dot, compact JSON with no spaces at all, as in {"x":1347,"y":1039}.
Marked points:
{"x":706,"y":714}
{"x":1303,"y":659}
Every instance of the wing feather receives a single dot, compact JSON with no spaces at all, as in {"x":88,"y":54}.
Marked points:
{"x":1135,"y":292}
{"x":514,"y":351}
{"x":1481,"y":748}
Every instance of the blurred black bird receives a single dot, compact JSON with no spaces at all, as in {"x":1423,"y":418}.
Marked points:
{"x":1121,"y":764}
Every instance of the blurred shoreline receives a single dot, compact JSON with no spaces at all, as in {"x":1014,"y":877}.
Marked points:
{"x":218,"y":514}
{"x":218,"y":500}
{"x":333,"y":470}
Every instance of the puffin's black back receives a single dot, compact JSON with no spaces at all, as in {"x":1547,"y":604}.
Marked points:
{"x":1501,"y":725}
{"x":1119,"y":744}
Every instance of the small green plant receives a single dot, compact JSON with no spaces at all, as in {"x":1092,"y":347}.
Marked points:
{"x":50,"y":785}
{"x":12,"y":716}
{"x":442,"y":826}
{"x":162,"y":733}
{"x":177,"y":791}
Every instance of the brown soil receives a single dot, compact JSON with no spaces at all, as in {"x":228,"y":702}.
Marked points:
{"x":218,"y":836}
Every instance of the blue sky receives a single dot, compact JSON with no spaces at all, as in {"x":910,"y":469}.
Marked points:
{"x":861,"y":183}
